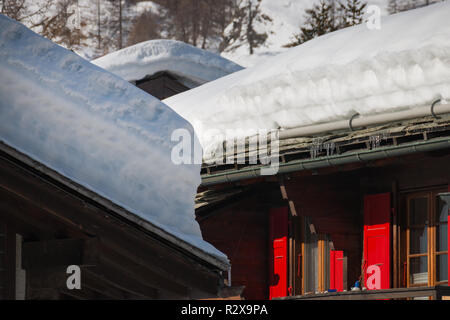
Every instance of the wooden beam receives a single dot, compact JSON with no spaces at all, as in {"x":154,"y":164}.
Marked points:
{"x":59,"y":252}
{"x":114,"y":266}
{"x":18,"y":214}
{"x":104,"y":288}
{"x":395,"y":237}
{"x":436,"y":292}
{"x":42,"y":294}
{"x":121,"y":287}
{"x":10,"y":266}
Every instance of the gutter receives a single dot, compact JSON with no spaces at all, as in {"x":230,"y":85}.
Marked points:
{"x":336,"y":160}
{"x":354,"y":122}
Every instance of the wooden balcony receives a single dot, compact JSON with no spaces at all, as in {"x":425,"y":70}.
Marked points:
{"x":435,"y":293}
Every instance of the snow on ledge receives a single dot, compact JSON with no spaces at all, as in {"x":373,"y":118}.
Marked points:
{"x":97,"y":130}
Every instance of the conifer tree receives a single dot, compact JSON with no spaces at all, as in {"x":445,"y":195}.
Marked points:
{"x":328,"y":16}
{"x":319,"y":21}
{"x":353,"y":11}
{"x":243,"y":28}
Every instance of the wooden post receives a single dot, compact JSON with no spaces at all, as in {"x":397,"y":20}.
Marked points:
{"x":294,"y":240}
{"x":395,"y":238}
{"x":10,"y":265}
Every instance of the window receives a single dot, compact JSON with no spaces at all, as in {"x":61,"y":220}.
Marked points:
{"x":440,"y":254}
{"x":311,"y":261}
{"x":425,"y":225}
{"x":317,"y":260}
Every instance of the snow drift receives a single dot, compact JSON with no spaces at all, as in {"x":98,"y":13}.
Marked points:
{"x":194,"y":65}
{"x":354,"y":70}
{"x":96,"y":129}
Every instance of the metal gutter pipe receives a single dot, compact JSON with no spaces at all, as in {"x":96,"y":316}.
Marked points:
{"x":434,"y":110}
{"x":336,"y":160}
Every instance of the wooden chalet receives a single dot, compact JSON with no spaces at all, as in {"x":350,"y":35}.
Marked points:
{"x":364,"y":204}
{"x":48,"y":222}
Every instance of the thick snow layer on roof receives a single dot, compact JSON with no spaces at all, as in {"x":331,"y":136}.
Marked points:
{"x":96,"y":129}
{"x":149,"y":57}
{"x":355,"y":70}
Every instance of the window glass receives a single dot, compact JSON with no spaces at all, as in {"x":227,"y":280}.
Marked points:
{"x":311,"y":265}
{"x":418,"y":240}
{"x":418,"y":211}
{"x":441,"y":226}
{"x":442,"y":267}
{"x":442,"y":213}
{"x":311,"y":248}
{"x":441,"y":237}
{"x":418,"y":270}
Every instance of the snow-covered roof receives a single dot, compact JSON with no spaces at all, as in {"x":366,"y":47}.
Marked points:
{"x":96,"y":129}
{"x":192,"y":65}
{"x":354,"y":70}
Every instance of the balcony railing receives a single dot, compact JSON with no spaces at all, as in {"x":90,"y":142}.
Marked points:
{"x":436,"y":293}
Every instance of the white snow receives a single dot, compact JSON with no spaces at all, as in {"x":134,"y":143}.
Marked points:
{"x":354,"y":70}
{"x":190,"y":63}
{"x":287,"y":16}
{"x":96,"y":129}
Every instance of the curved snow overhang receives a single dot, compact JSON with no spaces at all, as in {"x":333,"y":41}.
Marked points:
{"x":188,"y":250}
{"x":191,"y":65}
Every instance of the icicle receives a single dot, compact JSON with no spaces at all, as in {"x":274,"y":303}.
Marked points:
{"x":330,"y":147}
{"x":375,"y":140}
{"x":316,"y":147}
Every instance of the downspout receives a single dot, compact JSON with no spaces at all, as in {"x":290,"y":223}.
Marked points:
{"x":336,"y":160}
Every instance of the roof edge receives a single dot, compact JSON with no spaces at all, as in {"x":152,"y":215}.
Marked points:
{"x":327,"y":161}
{"x":179,"y":244}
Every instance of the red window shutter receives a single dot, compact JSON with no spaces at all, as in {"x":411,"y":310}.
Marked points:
{"x":278,"y":252}
{"x":337,"y":270}
{"x":377,"y":241}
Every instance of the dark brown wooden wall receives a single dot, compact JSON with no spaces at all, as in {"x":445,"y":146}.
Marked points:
{"x":333,"y":203}
{"x":161,"y":86}
{"x":241,"y":231}
{"x":333,"y":200}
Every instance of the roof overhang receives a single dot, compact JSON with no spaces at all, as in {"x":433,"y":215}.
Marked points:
{"x":360,"y":146}
{"x":135,"y":221}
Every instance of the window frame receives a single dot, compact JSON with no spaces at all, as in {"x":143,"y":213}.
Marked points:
{"x":431,"y":241}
